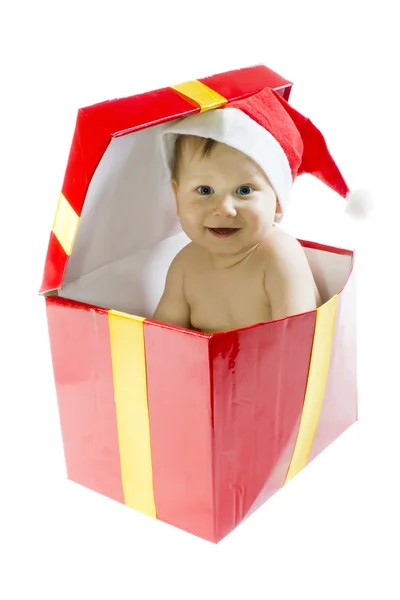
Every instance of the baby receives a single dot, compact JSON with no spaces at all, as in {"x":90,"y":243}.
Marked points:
{"x":231,"y":173}
{"x":239,"y":269}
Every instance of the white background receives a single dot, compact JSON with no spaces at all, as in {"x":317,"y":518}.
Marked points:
{"x":333,"y":532}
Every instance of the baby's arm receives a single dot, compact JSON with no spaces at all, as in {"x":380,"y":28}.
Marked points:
{"x":173,"y":308}
{"x":289,"y":282}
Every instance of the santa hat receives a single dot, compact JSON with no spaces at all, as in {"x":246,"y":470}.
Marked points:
{"x":279,"y":139}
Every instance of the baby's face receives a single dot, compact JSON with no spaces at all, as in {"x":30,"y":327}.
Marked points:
{"x":224,"y":200}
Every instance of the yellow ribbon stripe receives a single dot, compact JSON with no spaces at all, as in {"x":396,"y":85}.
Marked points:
{"x":201,"y":94}
{"x":130,"y":389}
{"x":318,"y":374}
{"x":65,"y":224}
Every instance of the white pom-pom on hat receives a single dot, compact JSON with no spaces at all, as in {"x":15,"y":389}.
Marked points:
{"x":359,"y":204}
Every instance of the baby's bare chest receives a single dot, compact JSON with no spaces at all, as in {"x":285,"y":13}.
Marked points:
{"x":221,"y":300}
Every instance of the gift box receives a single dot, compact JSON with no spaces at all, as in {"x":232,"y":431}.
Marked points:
{"x":194,"y":429}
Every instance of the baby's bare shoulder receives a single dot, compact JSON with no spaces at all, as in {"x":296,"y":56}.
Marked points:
{"x":192,"y":255}
{"x":285,"y":258}
{"x":281,"y":246}
{"x":184,"y":257}
{"x":289,"y":282}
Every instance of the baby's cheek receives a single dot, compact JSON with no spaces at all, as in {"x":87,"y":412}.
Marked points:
{"x":254,"y":217}
{"x":192,"y":219}
{"x":195,"y":214}
{"x":260,"y":225}
{"x":190,"y":225}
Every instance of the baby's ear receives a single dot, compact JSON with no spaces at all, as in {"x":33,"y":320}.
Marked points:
{"x":278,"y":212}
{"x":174,"y":186}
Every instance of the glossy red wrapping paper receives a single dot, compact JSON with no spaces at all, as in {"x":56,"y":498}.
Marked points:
{"x":80,"y":346}
{"x":259,"y":381}
{"x":181,"y":432}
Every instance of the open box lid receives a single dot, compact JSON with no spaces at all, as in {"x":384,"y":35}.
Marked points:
{"x":96,"y":128}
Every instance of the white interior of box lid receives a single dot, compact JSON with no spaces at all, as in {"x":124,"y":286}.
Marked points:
{"x":129,"y":233}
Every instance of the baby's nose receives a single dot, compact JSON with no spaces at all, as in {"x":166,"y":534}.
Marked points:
{"x":225,"y":207}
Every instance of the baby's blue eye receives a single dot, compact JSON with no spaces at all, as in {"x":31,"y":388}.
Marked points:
{"x":205,"y":190}
{"x":244,"y":190}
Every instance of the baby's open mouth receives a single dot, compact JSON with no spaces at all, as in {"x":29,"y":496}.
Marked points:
{"x":223,"y":231}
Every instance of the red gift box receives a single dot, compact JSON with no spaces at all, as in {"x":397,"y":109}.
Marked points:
{"x":193,"y":429}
